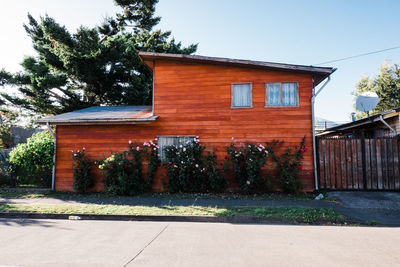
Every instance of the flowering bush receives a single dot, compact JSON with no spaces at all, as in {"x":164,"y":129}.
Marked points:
{"x":32,"y":161}
{"x":289,"y":166}
{"x":83,"y":178}
{"x":247,"y":163}
{"x":124,"y":171}
{"x":189,"y":171}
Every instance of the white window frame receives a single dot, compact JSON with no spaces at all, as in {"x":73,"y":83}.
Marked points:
{"x":251,"y":95}
{"x":280,"y":94}
{"x":175,"y":142}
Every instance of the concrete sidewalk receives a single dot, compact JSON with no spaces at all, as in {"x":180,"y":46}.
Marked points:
{"x":114,"y":243}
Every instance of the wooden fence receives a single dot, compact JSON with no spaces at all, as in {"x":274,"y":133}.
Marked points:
{"x":358,"y":164}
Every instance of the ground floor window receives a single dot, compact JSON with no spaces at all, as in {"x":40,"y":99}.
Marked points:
{"x":165,"y":141}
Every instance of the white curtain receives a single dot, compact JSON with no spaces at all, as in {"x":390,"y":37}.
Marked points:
{"x":164,"y":141}
{"x":274,"y":94}
{"x":241,"y":95}
{"x":289,"y":94}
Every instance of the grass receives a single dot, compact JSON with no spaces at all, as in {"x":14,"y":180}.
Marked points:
{"x":297,"y":214}
{"x":32,"y":193}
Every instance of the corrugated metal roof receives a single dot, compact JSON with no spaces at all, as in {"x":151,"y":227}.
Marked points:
{"x":319,"y":73}
{"x":104,"y":115}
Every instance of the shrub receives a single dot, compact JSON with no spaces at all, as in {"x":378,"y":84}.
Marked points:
{"x":83,"y":178}
{"x":289,"y":167}
{"x":124,"y":171}
{"x":247,"y":163}
{"x":189,"y":171}
{"x":32,"y":161}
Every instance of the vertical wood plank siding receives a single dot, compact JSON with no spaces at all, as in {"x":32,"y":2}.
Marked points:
{"x":195,"y":99}
{"x":376,"y":167}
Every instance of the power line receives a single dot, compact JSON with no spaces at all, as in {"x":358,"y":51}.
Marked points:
{"x":360,"y":55}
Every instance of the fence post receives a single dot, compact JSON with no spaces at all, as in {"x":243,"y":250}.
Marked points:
{"x":317,"y":161}
{"x":364,"y":166}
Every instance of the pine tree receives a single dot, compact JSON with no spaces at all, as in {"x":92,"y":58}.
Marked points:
{"x":386,"y":85}
{"x":93,"y":66}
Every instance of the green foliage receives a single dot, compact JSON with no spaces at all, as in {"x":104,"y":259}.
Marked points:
{"x":124,"y":171}
{"x":189,"y":171}
{"x":83,"y":177}
{"x":93,"y":66}
{"x":248,"y":162}
{"x":289,"y":166}
{"x":386,"y":85}
{"x":32,"y":161}
{"x":7,"y":119}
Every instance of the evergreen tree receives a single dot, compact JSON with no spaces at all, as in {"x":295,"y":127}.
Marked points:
{"x":93,"y":66}
{"x":386,"y":85}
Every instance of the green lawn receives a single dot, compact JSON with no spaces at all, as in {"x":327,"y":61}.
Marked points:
{"x":298,"y":214}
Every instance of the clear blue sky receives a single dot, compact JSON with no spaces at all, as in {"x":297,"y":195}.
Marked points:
{"x":298,"y":32}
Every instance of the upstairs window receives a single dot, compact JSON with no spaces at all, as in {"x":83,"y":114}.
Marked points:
{"x":281,"y":95}
{"x":242,"y":95}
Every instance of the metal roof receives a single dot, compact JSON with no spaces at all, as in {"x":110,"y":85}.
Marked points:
{"x":362,"y":122}
{"x":104,"y":115}
{"x":319,"y":73}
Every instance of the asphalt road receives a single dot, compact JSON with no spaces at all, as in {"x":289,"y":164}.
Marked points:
{"x":116,"y":243}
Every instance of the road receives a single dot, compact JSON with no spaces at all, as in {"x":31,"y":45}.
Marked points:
{"x":116,"y":243}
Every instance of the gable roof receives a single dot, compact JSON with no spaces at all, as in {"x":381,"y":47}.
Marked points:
{"x":104,"y":115}
{"x":319,"y":73}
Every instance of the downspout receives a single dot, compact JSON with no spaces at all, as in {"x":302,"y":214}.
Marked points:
{"x":387,"y":125}
{"x":53,"y":174}
{"x":313,"y":129}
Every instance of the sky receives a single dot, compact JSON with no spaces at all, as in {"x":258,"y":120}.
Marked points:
{"x":304,"y":32}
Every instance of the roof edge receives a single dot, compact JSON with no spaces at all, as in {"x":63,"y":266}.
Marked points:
{"x":97,"y":121}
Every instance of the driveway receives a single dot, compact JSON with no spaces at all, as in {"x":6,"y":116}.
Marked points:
{"x":380,"y":207}
{"x":116,"y":243}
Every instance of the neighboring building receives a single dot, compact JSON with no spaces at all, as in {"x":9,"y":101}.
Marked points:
{"x":216,"y":99}
{"x":385,"y":124}
{"x":323,"y":124}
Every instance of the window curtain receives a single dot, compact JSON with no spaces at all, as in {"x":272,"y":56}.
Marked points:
{"x":289,"y":94}
{"x":274,"y":95}
{"x":164,"y":141}
{"x":241,"y":95}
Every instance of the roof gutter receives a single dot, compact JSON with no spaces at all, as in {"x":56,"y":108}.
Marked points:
{"x":53,"y":174}
{"x":313,"y":130}
{"x":387,"y":125}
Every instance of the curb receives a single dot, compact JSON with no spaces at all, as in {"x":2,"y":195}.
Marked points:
{"x":155,"y":218}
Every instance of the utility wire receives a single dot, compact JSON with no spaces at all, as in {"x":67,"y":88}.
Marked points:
{"x":360,"y":55}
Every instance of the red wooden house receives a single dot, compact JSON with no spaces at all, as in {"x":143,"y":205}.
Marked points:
{"x":216,"y":99}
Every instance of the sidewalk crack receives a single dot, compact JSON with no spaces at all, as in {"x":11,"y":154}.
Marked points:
{"x":148,"y":244}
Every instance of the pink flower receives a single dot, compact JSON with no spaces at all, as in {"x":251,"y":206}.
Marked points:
{"x":145,"y":143}
{"x":175,"y":166}
{"x":184,"y":149}
{"x":157,"y":146}
{"x":300,"y":167}
{"x":74,"y":155}
{"x":154,"y":149}
{"x":130,"y":142}
{"x":158,"y":155}
{"x":197,"y":165}
{"x":83,"y":148}
{"x":137,"y":148}
{"x":197,"y":136}
{"x":248,"y":182}
{"x":155,"y":139}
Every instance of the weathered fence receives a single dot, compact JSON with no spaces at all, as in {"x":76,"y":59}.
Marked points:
{"x":358,"y":163}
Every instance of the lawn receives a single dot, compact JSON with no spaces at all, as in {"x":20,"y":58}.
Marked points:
{"x":297,"y":214}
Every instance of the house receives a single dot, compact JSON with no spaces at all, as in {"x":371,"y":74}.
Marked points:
{"x":217,"y":99}
{"x":384,"y":124}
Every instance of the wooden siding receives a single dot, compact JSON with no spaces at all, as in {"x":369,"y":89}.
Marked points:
{"x":195,"y":99}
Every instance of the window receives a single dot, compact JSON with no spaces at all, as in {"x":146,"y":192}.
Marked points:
{"x":242,"y":95}
{"x":281,"y":94}
{"x":164,"y":141}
